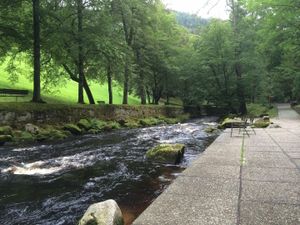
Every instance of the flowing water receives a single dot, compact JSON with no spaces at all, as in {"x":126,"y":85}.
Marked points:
{"x":54,"y":183}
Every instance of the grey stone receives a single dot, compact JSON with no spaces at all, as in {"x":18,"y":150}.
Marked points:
{"x":30,"y":128}
{"x":103,"y":213}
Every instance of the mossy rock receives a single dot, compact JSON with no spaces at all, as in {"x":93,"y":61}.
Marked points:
{"x":84,"y":124}
{"x":111,"y":125}
{"x":166,"y":153}
{"x":132,"y":124}
{"x":228,"y":122}
{"x":74,"y":129}
{"x":183,"y":117}
{"x":97,"y":124}
{"x":210,"y":130}
{"x":23,"y":136}
{"x":6,"y":130}
{"x":172,"y":120}
{"x":5,"y":138}
{"x":260,"y":123}
{"x":151,"y":121}
{"x":51,"y":134}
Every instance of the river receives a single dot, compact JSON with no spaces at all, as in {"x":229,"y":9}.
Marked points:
{"x":54,"y":183}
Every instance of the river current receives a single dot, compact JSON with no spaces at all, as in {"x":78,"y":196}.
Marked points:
{"x":54,"y":183}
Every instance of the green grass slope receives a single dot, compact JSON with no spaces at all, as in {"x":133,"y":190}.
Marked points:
{"x":63,"y":93}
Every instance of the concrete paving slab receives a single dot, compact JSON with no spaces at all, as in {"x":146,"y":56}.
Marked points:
{"x":217,"y":160}
{"x":271,"y":159}
{"x":205,"y":187}
{"x":289,"y":144}
{"x":212,"y":171}
{"x":297,"y":162}
{"x":180,"y":210}
{"x":263,"y":149}
{"x":271,"y":174}
{"x":258,"y":213}
{"x":294,"y":155}
{"x":270,"y":192}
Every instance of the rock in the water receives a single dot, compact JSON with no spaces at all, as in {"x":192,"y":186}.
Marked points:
{"x":30,"y":128}
{"x":210,"y":130}
{"x":103,"y":213}
{"x":5,"y":138}
{"x":6,"y":130}
{"x":74,"y":129}
{"x":166,"y":153}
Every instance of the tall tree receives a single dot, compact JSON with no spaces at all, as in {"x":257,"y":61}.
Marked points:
{"x":236,"y":17}
{"x":36,"y":52}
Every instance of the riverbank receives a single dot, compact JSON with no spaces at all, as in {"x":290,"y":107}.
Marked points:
{"x":55,"y":182}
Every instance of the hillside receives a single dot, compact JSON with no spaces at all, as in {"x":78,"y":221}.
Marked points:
{"x":191,"y":22}
{"x":64,"y":92}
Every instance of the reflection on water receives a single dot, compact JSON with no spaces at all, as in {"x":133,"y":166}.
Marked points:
{"x":55,"y":183}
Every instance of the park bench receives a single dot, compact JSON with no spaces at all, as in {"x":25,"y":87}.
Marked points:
{"x":13,"y":93}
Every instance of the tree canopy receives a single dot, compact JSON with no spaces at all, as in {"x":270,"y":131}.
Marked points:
{"x":155,"y":53}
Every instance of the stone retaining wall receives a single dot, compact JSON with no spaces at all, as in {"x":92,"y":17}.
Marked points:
{"x":69,"y":114}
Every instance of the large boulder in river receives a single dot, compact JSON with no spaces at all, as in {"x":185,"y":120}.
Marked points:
{"x":103,"y":213}
{"x":166,"y":153}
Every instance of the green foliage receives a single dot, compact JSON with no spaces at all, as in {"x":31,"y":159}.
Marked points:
{"x":256,"y":110}
{"x":5,"y":130}
{"x":74,"y":129}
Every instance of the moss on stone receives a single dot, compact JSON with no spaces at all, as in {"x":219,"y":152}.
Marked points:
{"x":51,"y":134}
{"x":132,"y":124}
{"x":111,"y":125}
{"x":97,"y":124}
{"x":5,"y":138}
{"x":260,"y":123}
{"x":84,"y":124}
{"x":151,"y":121}
{"x":74,"y":129}
{"x":210,"y":130}
{"x":5,"y":130}
{"x":22,"y":136}
{"x":166,"y":153}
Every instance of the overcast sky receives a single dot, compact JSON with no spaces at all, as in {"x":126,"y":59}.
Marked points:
{"x":203,"y":8}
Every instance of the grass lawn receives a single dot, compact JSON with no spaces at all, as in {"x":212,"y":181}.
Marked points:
{"x":63,"y":93}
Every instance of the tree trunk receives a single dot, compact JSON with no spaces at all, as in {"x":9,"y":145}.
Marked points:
{"x":86,"y":87}
{"x":36,"y":52}
{"x":109,"y":83}
{"x":141,"y":85}
{"x":80,"y":53}
{"x":126,"y":83}
{"x":88,"y":91}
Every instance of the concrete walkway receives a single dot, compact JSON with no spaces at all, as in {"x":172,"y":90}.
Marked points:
{"x":238,"y":180}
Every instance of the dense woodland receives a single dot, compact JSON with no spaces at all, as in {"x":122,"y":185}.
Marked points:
{"x":155,"y":53}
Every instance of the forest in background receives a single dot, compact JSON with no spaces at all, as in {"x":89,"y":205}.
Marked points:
{"x":155,"y":53}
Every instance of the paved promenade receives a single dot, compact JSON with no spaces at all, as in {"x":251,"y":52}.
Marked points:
{"x":238,"y":180}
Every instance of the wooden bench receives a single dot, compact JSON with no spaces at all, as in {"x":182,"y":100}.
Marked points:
{"x":13,"y":93}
